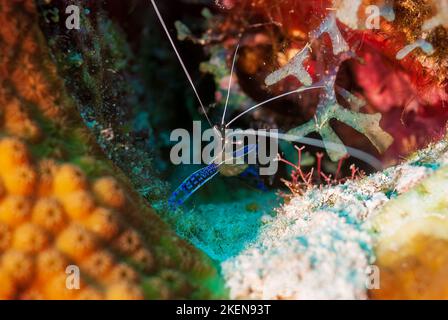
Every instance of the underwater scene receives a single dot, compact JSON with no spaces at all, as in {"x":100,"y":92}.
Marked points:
{"x":223,"y":149}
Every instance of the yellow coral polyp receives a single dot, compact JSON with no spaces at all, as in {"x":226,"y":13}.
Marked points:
{"x":47,"y":169}
{"x":68,"y":179}
{"x":19,"y":265}
{"x":76,"y":242}
{"x":99,"y":264}
{"x":78,"y":205}
{"x":31,"y":84}
{"x":13,"y":153}
{"x":21,"y":180}
{"x":15,"y":210}
{"x":49,"y":214}
{"x":50,"y":263}
{"x":123,"y":272}
{"x":109,"y":192}
{"x":56,"y":289}
{"x":128,"y":242}
{"x":18,"y":122}
{"x":30,"y":238}
{"x":5,"y":237}
{"x":2,"y":190}
{"x":124,"y":291}
{"x":145,"y":259}
{"x":8,"y":287}
{"x":103,"y":223}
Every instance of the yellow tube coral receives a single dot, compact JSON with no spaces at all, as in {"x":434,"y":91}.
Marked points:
{"x":49,"y":214}
{"x":109,"y":192}
{"x":15,"y":210}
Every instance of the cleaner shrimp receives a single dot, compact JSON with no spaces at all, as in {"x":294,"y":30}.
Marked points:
{"x":225,"y":163}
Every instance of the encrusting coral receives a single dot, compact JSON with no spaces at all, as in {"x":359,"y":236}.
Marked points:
{"x":62,"y":204}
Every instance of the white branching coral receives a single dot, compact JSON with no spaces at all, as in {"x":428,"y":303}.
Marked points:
{"x":356,"y":103}
{"x":293,"y":68}
{"x":329,"y":26}
{"x":420,"y":43}
{"x":328,"y":107}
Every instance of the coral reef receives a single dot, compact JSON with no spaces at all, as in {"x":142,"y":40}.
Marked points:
{"x":321,"y":244}
{"x":84,"y":128}
{"x":63,"y":204}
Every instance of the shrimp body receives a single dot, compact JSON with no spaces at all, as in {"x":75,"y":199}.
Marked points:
{"x":229,"y":169}
{"x":198,"y":178}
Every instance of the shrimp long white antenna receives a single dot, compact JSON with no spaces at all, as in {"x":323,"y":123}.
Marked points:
{"x":273,"y":99}
{"x":162,"y":22}
{"x":230,"y":85}
{"x":354,"y":152}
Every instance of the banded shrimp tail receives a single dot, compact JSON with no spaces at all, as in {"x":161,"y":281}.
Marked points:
{"x":191,"y":184}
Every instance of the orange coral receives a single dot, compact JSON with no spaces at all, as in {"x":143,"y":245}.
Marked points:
{"x":13,"y":152}
{"x":124,"y":291}
{"x":18,"y":122}
{"x":15,"y":210}
{"x":57,"y":289}
{"x":50,"y":263}
{"x":49,"y":214}
{"x":78,"y":205}
{"x":21,"y":180}
{"x":30,"y":238}
{"x":8,"y":287}
{"x":109,"y":192}
{"x":128,"y":242}
{"x":123,"y":272}
{"x":103,"y":223}
{"x":19,"y":265}
{"x":5,"y":237}
{"x":145,"y":259}
{"x":63,"y":225}
{"x":52,"y":214}
{"x":47,"y":170}
{"x":76,"y":242}
{"x":68,"y":178}
{"x":99,"y":264}
{"x":421,"y":273}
